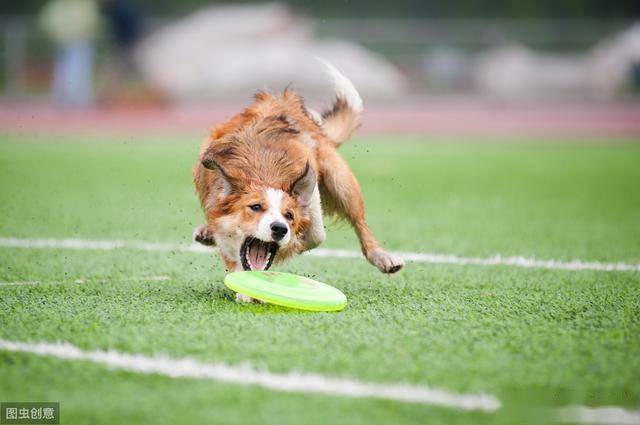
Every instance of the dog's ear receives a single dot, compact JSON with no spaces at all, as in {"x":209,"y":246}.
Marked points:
{"x":304,"y":186}
{"x":209,"y":161}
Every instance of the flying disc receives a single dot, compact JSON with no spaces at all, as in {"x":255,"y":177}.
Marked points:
{"x":287,"y":290}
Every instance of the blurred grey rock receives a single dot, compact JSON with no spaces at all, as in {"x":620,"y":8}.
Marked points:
{"x":445,"y":68}
{"x":613,"y":62}
{"x":226,"y":51}
{"x":519,"y":73}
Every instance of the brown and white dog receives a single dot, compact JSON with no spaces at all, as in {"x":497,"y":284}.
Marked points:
{"x":266,"y":175}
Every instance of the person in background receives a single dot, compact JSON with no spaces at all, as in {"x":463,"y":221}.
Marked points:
{"x":124,"y":21}
{"x":73,"y":26}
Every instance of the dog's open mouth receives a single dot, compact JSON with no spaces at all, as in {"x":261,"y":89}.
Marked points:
{"x":256,"y":254}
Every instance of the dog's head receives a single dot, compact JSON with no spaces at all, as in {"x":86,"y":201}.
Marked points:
{"x":256,"y":223}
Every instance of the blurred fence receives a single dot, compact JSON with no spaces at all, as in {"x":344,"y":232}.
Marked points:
{"x":400,"y":36}
{"x":26,"y":55}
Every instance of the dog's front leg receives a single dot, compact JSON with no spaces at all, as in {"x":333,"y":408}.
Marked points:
{"x":204,"y":235}
{"x":315,"y":235}
{"x":242,"y":298}
{"x":235,"y":266}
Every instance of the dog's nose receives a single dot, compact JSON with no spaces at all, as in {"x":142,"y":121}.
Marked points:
{"x":278,"y":230}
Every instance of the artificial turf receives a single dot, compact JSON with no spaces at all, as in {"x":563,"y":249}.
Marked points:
{"x":533,"y":338}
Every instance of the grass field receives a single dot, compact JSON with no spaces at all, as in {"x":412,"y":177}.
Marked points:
{"x":533,"y":338}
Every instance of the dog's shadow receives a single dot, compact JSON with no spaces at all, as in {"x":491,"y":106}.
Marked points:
{"x":220,"y":294}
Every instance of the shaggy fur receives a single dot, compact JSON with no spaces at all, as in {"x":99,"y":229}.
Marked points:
{"x":278,"y":144}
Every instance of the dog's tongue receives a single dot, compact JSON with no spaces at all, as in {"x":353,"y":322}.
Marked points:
{"x":258,"y":255}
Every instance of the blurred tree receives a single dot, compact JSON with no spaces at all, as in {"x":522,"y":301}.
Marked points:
{"x":399,"y":8}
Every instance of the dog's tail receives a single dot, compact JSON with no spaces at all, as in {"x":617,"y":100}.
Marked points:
{"x":345,"y":116}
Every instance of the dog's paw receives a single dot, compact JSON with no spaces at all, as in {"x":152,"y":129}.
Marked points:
{"x":241,"y":298}
{"x":204,"y":235}
{"x":385,"y":262}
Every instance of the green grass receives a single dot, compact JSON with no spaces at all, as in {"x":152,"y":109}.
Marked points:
{"x":533,"y":338}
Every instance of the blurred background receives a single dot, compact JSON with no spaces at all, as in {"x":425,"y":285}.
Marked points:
{"x":426,"y":67}
{"x":103,"y":104}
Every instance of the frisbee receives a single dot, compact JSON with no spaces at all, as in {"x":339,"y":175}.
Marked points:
{"x":288,"y":290}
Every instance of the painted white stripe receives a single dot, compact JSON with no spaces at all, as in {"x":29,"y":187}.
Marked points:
{"x":296,"y":382}
{"x":612,"y":415}
{"x":418,"y":257}
{"x":102,"y":280}
{"x":518,"y":261}
{"x":108,"y":245}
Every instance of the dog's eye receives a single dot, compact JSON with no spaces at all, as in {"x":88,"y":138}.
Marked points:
{"x":255,"y":207}
{"x":288,"y":215}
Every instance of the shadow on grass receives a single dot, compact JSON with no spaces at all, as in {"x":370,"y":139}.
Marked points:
{"x":220,"y":293}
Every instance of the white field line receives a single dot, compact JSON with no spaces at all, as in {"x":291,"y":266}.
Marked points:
{"x":611,"y":415}
{"x":93,"y":280}
{"x":515,"y":261}
{"x":295,"y":382}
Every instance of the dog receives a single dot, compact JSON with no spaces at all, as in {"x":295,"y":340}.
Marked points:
{"x":265,"y":177}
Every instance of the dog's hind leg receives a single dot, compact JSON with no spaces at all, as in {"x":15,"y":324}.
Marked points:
{"x":341,"y":192}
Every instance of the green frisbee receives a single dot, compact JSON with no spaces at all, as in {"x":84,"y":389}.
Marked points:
{"x":287,"y":290}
